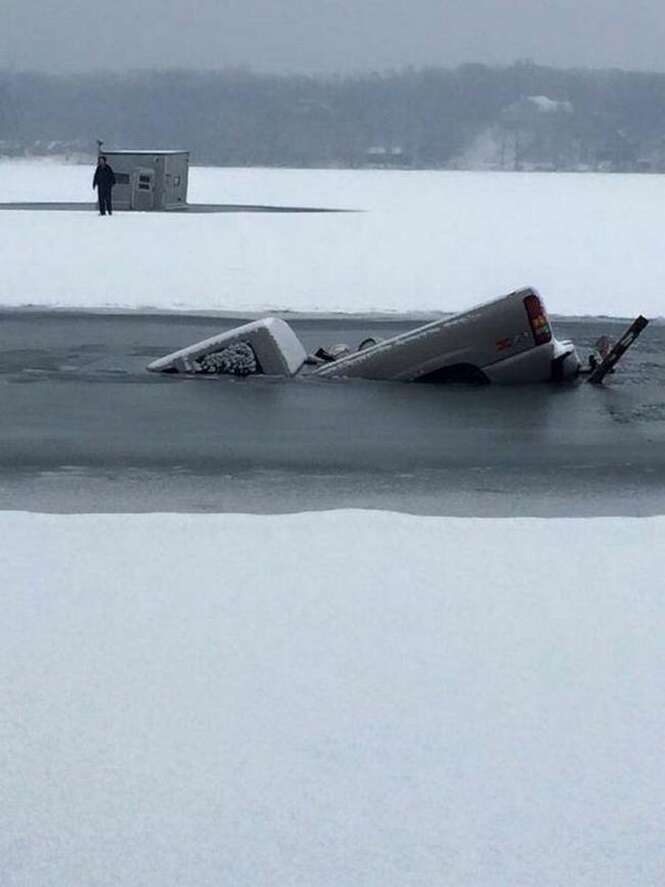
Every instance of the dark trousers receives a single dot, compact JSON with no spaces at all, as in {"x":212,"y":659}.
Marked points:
{"x":105,"y":201}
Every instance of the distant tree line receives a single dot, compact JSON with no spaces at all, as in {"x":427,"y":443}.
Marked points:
{"x":519,"y":117}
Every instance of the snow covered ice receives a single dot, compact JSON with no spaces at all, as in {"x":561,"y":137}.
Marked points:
{"x":426,"y":241}
{"x":346,"y":698}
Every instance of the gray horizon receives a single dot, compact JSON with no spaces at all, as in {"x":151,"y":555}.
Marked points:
{"x":328,"y":36}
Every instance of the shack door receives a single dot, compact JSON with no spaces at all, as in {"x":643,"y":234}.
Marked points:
{"x":143,"y":189}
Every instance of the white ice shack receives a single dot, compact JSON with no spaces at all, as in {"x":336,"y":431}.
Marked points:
{"x":149,"y":180}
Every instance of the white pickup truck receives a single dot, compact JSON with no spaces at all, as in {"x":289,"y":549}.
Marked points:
{"x":508,"y":341}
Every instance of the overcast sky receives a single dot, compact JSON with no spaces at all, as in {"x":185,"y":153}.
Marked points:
{"x":328,"y":35}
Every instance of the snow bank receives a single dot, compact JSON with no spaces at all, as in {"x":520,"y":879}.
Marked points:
{"x":427,"y":241}
{"x":347,"y":698}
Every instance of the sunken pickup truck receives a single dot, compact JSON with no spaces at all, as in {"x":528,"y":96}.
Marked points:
{"x":507,"y":341}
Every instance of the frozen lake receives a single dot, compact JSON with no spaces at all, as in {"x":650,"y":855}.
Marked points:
{"x":424,"y":241}
{"x":346,"y":697}
{"x":351,"y":698}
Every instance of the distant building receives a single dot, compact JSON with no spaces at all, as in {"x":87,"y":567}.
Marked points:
{"x":149,"y":180}
{"x":549,"y":106}
{"x":386,"y":157}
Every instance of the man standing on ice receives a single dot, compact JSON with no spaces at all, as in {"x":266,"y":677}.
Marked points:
{"x":104,"y":181}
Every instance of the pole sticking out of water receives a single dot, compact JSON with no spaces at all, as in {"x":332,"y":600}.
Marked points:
{"x":617,"y":352}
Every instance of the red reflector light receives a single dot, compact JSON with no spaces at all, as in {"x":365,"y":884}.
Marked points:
{"x":540,"y":326}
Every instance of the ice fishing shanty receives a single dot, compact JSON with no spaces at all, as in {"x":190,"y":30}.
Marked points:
{"x":149,"y":180}
{"x":155,"y":181}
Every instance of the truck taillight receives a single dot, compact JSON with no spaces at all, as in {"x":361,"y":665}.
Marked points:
{"x":540,"y":326}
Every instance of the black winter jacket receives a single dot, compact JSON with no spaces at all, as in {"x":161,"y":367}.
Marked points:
{"x":104,"y":178}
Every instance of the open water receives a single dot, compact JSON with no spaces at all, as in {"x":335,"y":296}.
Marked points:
{"x":83,"y":427}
